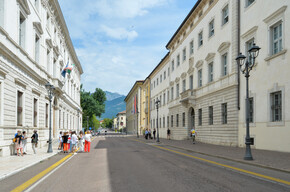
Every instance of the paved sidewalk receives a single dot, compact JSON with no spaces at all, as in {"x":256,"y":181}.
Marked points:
{"x":11,"y":165}
{"x":263,"y":158}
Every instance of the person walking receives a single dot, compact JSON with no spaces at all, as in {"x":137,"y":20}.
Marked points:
{"x":60,"y":146}
{"x":74,"y":140}
{"x":24,"y":136}
{"x":19,"y":143}
{"x":69,"y":141}
{"x":193,"y":134}
{"x":65,"y":142}
{"x":168,"y":133}
{"x":154,"y":132}
{"x":88,"y":139}
{"x":81,"y":141}
{"x":34,"y":140}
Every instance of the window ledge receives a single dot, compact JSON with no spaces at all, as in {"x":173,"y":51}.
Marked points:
{"x":276,"y":124}
{"x":276,"y":55}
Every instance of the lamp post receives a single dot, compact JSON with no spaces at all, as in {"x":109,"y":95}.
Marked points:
{"x":246,"y":66}
{"x":157,"y":105}
{"x":50,"y":90}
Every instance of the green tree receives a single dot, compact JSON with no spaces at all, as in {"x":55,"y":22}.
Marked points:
{"x":107,"y":123}
{"x":96,"y":122}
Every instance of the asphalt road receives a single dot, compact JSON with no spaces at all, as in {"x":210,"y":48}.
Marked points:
{"x":120,"y":164}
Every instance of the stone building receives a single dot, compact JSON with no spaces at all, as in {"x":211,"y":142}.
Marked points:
{"x":121,"y":120}
{"x":35,"y":46}
{"x":133,"y":108}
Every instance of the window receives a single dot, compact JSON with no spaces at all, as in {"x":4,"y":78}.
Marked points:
{"x":2,"y":13}
{"x":19,"y":108}
{"x":276,"y":31}
{"x":199,"y":117}
{"x":154,"y":84}
{"x":157,"y":81}
{"x":160,"y":100}
{"x":200,"y":39}
{"x":163,"y":98}
{"x":191,"y":47}
{"x":171,"y":120}
{"x":211,"y":28}
{"x":183,"y":85}
{"x":48,"y":22}
{"x":168,"y":71}
{"x":160,"y":122}
{"x":249,"y":2}
{"x":200,"y":78}
{"x":224,"y":113}
{"x":167,"y":96}
{"x":210,"y":72}
{"x":36,"y":4}
{"x":178,"y":60}
{"x":168,"y":121}
{"x":249,"y":45}
{"x":177,"y":90}
{"x":191,"y":82}
{"x":172,"y":93}
{"x":177,"y":120}
{"x":36,"y":48}
{"x":183,"y":119}
{"x":35,"y":113}
{"x":153,"y":123}
{"x":251,"y":110}
{"x":63,"y":120}
{"x":163,"y":122}
{"x":48,"y":61}
{"x":164,"y":75}
{"x":46,"y":115}
{"x":210,"y":115}
{"x":172,"y":65}
{"x":184,"y":54}
{"x":21,"y":30}
{"x":210,"y":2}
{"x":160,"y":78}
{"x":225,"y":15}
{"x":224,"y":64}
{"x":276,"y":106}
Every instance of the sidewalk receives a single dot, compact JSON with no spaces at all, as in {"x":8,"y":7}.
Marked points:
{"x":11,"y":165}
{"x":270,"y":159}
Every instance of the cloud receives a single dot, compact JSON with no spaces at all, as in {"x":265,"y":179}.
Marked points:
{"x":119,"y":33}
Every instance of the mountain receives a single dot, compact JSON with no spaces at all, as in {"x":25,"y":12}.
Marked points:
{"x":111,"y":96}
{"x":115,"y":103}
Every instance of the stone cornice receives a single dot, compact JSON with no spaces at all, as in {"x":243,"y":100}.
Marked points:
{"x":223,"y":46}
{"x":37,"y":26}
{"x":183,"y":75}
{"x":25,"y":6}
{"x":199,"y":63}
{"x":275,"y":14}
{"x":209,"y":56}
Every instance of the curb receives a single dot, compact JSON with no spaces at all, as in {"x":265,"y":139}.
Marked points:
{"x":226,"y":158}
{"x":25,"y":167}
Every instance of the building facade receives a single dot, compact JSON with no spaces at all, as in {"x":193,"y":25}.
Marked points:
{"x":133,"y":108}
{"x":35,"y":46}
{"x":121,"y":120}
{"x":269,"y":82}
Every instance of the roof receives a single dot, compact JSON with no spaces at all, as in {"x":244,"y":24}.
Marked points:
{"x":184,"y":21}
{"x":139,"y":81}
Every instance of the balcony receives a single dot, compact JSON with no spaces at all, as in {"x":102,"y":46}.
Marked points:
{"x":187,"y":97}
{"x":58,"y":84}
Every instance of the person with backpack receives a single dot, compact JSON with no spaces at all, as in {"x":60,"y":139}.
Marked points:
{"x":34,"y":140}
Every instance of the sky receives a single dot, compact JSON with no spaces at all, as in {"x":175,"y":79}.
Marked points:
{"x":121,"y":41}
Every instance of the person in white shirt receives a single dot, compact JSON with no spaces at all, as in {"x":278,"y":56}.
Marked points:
{"x":74,"y":140}
{"x":81,"y":141}
{"x":60,"y":146}
{"x":88,"y":139}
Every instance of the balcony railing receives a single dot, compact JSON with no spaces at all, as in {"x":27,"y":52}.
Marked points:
{"x":187,"y":96}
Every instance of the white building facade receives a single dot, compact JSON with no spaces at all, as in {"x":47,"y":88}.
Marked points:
{"x":35,"y":46}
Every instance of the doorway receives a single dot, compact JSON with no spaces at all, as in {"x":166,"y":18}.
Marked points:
{"x":191,"y":120}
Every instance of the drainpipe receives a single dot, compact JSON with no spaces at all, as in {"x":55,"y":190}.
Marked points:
{"x":239,"y":31}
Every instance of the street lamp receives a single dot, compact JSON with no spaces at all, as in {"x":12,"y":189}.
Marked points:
{"x":157,"y":105}
{"x":246,"y":66}
{"x":50,"y":90}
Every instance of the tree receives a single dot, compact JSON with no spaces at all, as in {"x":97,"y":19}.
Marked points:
{"x":107,"y":123}
{"x":92,"y":104}
{"x":96,"y":122}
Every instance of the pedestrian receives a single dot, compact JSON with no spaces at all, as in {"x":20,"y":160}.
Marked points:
{"x":69,"y":141}
{"x":60,"y":146}
{"x":193,"y":134}
{"x":168,"y":133}
{"x":65,"y":142}
{"x":146,"y":134}
{"x":154,"y":132}
{"x":81,"y":141}
{"x":34,"y":141}
{"x":24,"y":136}
{"x":74,"y":140}
{"x":19,"y":143}
{"x":88,"y":139}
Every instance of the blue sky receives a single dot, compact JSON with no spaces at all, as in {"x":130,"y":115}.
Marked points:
{"x":121,"y":41}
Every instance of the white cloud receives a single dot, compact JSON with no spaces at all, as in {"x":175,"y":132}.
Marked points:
{"x":119,"y":33}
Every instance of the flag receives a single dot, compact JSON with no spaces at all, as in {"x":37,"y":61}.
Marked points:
{"x":64,"y":70}
{"x":68,"y":68}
